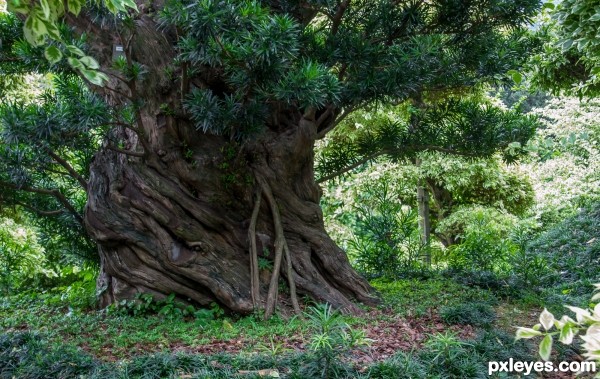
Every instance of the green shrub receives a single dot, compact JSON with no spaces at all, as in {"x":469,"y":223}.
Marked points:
{"x":571,"y":247}
{"x":386,"y":235}
{"x":483,"y":243}
{"x":449,"y":357}
{"x":169,"y":308}
{"x":27,"y":356}
{"x":21,"y":256}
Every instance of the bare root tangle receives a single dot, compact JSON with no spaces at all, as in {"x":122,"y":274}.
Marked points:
{"x":280,"y":247}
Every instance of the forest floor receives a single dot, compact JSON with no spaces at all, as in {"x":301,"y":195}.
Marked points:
{"x":424,"y":321}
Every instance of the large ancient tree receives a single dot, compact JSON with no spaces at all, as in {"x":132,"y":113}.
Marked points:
{"x":205,"y":121}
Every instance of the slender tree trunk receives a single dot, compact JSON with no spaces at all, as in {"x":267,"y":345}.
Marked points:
{"x":424,"y":221}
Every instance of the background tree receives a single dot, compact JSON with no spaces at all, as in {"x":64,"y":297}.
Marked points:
{"x":570,"y":60}
{"x":215,"y":106}
{"x":458,"y":145}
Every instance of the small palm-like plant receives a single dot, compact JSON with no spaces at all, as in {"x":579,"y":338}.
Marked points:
{"x":332,"y":338}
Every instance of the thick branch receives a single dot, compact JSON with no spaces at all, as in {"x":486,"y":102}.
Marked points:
{"x":412,"y":149}
{"x":337,"y":18}
{"x":80,"y":179}
{"x":322,"y":133}
{"x":126,"y":152}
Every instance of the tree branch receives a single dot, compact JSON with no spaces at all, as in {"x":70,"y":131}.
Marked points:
{"x":350,"y":167}
{"x":337,"y":18}
{"x":39,"y":211}
{"x":50,"y":192}
{"x":126,"y":152}
{"x":69,"y":168}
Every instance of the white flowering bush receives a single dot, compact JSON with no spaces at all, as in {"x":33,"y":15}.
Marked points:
{"x":586,"y":324}
{"x":21,"y":257}
{"x":564,"y":165}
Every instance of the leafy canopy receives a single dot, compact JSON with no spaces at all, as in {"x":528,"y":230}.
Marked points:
{"x":570,"y":60}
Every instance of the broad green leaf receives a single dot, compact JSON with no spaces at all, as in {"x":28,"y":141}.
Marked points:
{"x":526,"y":333}
{"x":39,"y":26}
{"x":131,"y":4}
{"x":74,"y":6}
{"x":17,"y":6}
{"x":112,"y":8}
{"x":546,"y":347}
{"x":45,"y":8}
{"x":75,"y":50}
{"x":89,"y":62}
{"x":34,"y":30}
{"x":566,"y":44}
{"x":53,"y":54}
{"x":53,"y":31}
{"x":75,"y":63}
{"x":566,"y":334}
{"x":57,"y":9}
{"x":95,"y":77}
{"x":516,"y":76}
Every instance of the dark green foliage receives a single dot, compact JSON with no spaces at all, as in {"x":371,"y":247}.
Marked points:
{"x":462,"y":127}
{"x":26,"y":355}
{"x":169,"y":308}
{"x":572,"y":247}
{"x":476,"y":314}
{"x":376,"y":51}
{"x":399,"y":366}
{"x":418,"y":297}
{"x":332,"y":341}
{"x":43,"y":143}
{"x":445,"y":356}
{"x":498,"y":345}
{"x":29,"y":356}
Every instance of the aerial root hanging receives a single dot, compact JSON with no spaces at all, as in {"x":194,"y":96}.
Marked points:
{"x":280,"y":247}
{"x":292,"y":283}
{"x":254,"y":278}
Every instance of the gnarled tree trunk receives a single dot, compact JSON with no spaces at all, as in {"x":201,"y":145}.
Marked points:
{"x":177,"y":221}
{"x":171,"y":208}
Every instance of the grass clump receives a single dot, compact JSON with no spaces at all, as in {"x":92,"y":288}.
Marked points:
{"x":476,"y":314}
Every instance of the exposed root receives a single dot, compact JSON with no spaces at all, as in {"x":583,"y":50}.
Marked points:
{"x":280,"y":247}
{"x":254,"y":279}
{"x":292,"y":283}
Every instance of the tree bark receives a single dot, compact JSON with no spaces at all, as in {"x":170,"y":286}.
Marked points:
{"x":178,"y":223}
